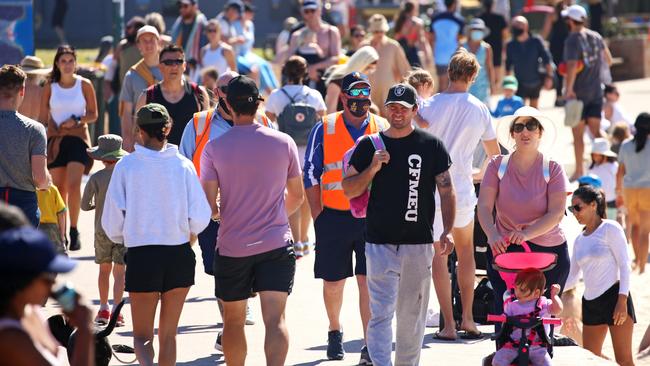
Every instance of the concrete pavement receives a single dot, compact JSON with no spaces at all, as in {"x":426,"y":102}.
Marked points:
{"x":306,"y":317}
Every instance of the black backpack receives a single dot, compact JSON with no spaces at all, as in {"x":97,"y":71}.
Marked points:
{"x":297,"y":119}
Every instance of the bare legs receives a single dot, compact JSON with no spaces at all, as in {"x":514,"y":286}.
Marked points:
{"x":143,"y":311}
{"x":68,"y":180}
{"x":463,"y":238}
{"x":594,"y":336}
{"x":333,"y":297}
{"x":640,"y":222}
{"x":276,"y":340}
{"x":103,"y":282}
{"x":593,"y":123}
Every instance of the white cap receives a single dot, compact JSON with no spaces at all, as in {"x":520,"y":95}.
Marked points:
{"x":575,"y":12}
{"x":147,"y":29}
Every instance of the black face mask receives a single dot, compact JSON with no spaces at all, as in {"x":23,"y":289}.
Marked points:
{"x":222,"y":104}
{"x":516,"y":31}
{"x":358,"y":107}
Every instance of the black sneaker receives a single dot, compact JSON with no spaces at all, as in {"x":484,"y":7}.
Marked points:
{"x":335,"y":345}
{"x":75,"y":243}
{"x":365,"y":359}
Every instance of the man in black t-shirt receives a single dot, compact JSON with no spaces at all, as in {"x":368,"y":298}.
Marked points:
{"x":399,"y":225}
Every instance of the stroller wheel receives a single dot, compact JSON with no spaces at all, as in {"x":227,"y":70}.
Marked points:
{"x":487,"y":360}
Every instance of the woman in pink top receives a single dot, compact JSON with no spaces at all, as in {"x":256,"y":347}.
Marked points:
{"x":528,"y":194}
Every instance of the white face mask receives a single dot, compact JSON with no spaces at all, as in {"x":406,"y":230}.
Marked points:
{"x":476,"y":35}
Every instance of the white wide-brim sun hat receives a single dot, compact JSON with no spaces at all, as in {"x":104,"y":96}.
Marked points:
{"x":549,"y":136}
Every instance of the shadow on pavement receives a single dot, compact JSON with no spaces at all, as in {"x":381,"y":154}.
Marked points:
{"x":312,"y":363}
{"x":349,"y":346}
{"x":215,"y":359}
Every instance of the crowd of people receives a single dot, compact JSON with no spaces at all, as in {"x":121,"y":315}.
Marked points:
{"x":210,"y":148}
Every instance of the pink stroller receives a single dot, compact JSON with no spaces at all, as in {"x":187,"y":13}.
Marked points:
{"x":508,"y":264}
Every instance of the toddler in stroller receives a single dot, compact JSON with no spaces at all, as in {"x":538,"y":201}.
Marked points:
{"x":525,"y":337}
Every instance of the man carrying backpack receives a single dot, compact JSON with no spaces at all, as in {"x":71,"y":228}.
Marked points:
{"x":399,"y":225}
{"x":339,"y":235}
{"x":296,"y":108}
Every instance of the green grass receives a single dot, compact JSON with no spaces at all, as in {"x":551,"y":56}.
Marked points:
{"x":84,"y":55}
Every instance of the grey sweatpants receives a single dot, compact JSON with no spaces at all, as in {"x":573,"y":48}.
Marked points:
{"x":399,"y":279}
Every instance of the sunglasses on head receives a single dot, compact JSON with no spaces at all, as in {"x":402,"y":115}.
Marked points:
{"x":359,"y":91}
{"x":531,"y":125}
{"x":575,"y":208}
{"x":172,"y":62}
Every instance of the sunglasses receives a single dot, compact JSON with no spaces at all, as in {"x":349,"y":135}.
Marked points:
{"x":530,"y":126}
{"x":358,"y":35}
{"x":309,"y":11}
{"x":211,"y":30}
{"x":575,"y":208}
{"x":170,"y":62}
{"x":357,"y":92}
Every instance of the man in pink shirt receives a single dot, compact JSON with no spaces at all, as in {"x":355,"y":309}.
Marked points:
{"x":251,"y":167}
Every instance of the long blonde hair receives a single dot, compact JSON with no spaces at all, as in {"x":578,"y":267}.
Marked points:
{"x":363,"y":57}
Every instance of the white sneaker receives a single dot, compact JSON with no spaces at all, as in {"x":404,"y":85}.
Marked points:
{"x":249,"y":315}
{"x":297,"y":249}
{"x":433,"y":319}
{"x":217,"y":343}
{"x":305,"y":249}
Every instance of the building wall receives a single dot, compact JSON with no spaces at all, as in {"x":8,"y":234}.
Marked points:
{"x":88,"y":20}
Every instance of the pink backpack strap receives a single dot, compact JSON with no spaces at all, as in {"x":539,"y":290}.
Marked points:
{"x":377,"y":141}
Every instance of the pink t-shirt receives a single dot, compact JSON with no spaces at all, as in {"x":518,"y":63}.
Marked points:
{"x":252,"y":164}
{"x":522,"y":199}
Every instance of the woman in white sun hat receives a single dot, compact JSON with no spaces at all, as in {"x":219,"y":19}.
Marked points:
{"x":528,"y":191}
{"x":604,"y":165}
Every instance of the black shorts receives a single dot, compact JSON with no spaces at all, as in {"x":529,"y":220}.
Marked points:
{"x":338,"y":236}
{"x":592,"y":109}
{"x":72,"y":149}
{"x":159,"y":268}
{"x":236,"y":278}
{"x":600,"y":310}
{"x":529,"y":90}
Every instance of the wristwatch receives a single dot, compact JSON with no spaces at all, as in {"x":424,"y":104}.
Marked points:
{"x":76,"y":119}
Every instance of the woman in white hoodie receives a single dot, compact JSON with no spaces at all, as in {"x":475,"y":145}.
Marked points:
{"x":155,"y":205}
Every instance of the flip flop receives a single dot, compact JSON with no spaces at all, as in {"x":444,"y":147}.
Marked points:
{"x":440,"y":337}
{"x":471,"y":335}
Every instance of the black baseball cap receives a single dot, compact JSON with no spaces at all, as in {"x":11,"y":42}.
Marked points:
{"x":403,"y":94}
{"x":28,"y":250}
{"x":353,"y":79}
{"x":242,"y":89}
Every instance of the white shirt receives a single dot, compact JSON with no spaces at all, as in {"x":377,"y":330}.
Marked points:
{"x":67,"y":102}
{"x":602,"y":257}
{"x":277,"y":100}
{"x":607,"y":173}
{"x":461,"y":121}
{"x":154,"y":198}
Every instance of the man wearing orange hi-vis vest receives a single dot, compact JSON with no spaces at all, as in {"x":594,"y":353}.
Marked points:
{"x":339,"y":235}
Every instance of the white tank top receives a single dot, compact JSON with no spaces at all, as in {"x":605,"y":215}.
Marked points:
{"x":67,"y":102}
{"x":216,"y":59}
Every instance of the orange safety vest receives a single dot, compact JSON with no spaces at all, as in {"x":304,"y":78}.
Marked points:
{"x":336,"y":141}
{"x":202,"y":126}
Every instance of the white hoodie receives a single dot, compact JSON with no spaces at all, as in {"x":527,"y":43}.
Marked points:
{"x":154,"y":198}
